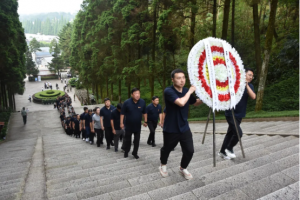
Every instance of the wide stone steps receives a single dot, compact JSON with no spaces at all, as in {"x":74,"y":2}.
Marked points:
{"x":77,"y":170}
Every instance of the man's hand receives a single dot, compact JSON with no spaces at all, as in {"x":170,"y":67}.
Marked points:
{"x":122,"y":126}
{"x":102,"y":128}
{"x":114,"y":132}
{"x":192,"y":89}
{"x":145,"y":124}
{"x":93,"y":131}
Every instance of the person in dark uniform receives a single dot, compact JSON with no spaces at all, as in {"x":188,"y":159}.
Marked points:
{"x":153,"y":112}
{"x":76,"y":126}
{"x":133,"y":109}
{"x":68,"y":126}
{"x":105,"y":114}
{"x":176,"y":127}
{"x":87,"y":125}
{"x":85,"y":111}
{"x":231,"y":138}
{"x":62,"y":118}
{"x":115,"y":124}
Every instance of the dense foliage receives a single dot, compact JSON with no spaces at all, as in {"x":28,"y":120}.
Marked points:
{"x":116,"y":45}
{"x":12,"y":54}
{"x":45,"y":23}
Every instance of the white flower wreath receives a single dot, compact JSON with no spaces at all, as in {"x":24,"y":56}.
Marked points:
{"x":206,"y":61}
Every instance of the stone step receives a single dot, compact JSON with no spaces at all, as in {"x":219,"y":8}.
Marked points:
{"x":244,"y":178}
{"x":290,"y":192}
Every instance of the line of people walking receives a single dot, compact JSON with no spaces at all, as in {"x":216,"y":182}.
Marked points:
{"x":124,"y":121}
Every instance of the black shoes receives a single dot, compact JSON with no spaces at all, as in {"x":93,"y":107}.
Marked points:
{"x":135,"y":156}
{"x":112,"y":144}
{"x":149,"y":143}
{"x":125,"y":155}
{"x":107,"y":147}
{"x":153,"y":145}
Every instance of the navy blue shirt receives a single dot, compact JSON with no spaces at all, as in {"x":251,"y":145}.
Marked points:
{"x":82,"y":116}
{"x":240,"y":108}
{"x":153,"y":112}
{"x":133,"y":114}
{"x":76,"y":122}
{"x":106,"y":113}
{"x":88,"y":119}
{"x":115,"y":116}
{"x":176,"y":116}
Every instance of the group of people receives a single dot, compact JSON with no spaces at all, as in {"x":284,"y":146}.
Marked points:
{"x":121,"y":122}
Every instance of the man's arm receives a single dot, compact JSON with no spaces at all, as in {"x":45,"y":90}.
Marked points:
{"x":121,"y":121}
{"x":160,"y":119}
{"x":250,"y":92}
{"x":145,"y":119}
{"x":101,"y":122}
{"x":198,"y":102}
{"x":112,"y":126}
{"x":183,"y":100}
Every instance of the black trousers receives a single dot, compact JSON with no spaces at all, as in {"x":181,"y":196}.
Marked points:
{"x":109,"y":136}
{"x":170,"y":142}
{"x":83,"y":133}
{"x":127,"y":141}
{"x":99,"y":133}
{"x":77,"y":133}
{"x":91,"y":137}
{"x":152,"y":126}
{"x":231,"y":138}
{"x":24,"y":119}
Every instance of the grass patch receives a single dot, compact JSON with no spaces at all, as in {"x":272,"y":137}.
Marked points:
{"x":253,"y":114}
{"x":49,"y":94}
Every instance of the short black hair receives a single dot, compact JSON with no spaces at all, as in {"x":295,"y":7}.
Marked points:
{"x":106,"y":99}
{"x":175,"y":71}
{"x":90,"y":110}
{"x":119,"y":106}
{"x":85,"y":108}
{"x":134,"y":90}
{"x":154,"y":97}
{"x":249,"y":69}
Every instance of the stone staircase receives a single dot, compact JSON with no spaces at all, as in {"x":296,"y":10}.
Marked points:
{"x":74,"y":169}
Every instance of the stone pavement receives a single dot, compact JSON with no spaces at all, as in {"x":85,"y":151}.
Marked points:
{"x":39,"y":161}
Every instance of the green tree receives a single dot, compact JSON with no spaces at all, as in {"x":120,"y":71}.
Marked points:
{"x":56,"y":63}
{"x":34,"y":46}
{"x":31,"y":68}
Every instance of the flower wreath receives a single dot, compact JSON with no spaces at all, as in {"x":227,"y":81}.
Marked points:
{"x":214,"y":61}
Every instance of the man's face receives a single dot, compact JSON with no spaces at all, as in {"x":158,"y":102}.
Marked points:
{"x":107,"y":103}
{"x":86,"y":111}
{"x":179,"y":80}
{"x":155,"y":101}
{"x":249,"y":76}
{"x":136,"y":95}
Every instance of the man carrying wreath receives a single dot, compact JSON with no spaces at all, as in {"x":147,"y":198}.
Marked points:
{"x":175,"y":126}
{"x":231,"y":138}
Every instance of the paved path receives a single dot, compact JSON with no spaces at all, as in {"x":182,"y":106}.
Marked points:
{"x":39,"y":161}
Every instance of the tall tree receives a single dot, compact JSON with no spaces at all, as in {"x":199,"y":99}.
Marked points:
{"x":267,"y":53}
{"x":56,"y":63}
{"x":225,"y":19}
{"x":256,"y":36}
{"x":34,"y":46}
{"x":31,"y":68}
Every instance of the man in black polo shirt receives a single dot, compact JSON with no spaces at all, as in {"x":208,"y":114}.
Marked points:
{"x":115,"y":124}
{"x":133,"y":109}
{"x":153,"y":112}
{"x":231,"y":138}
{"x":85,"y":111}
{"x":176,"y":127}
{"x":105,"y":114}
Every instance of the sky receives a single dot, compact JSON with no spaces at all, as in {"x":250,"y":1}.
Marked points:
{"x":46,"y":6}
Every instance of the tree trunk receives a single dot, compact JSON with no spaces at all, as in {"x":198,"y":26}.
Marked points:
{"x":214,"y":29}
{"x":120,"y":82}
{"x":97,"y":92}
{"x":107,"y":94}
{"x":256,"y":37}
{"x":5,"y":96}
{"x":218,"y":9}
{"x":111,"y":91}
{"x":138,"y":83}
{"x":128,"y":89}
{"x":225,"y":19}
{"x":267,"y":53}
{"x":101,"y":93}
{"x":14,"y":102}
{"x":164,"y":77}
{"x":193,"y":20}
{"x":153,"y":48}
{"x":232,"y":22}
{"x":88,"y":96}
